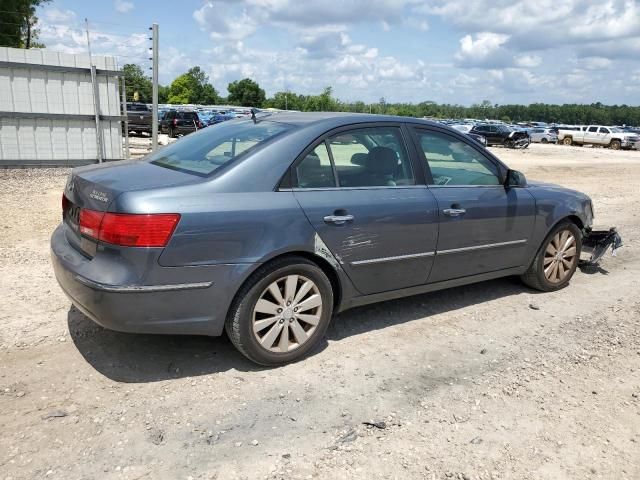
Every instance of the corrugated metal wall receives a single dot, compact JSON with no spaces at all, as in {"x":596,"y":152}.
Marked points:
{"x":47,"y":109}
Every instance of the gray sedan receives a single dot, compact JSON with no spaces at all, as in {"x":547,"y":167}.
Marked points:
{"x":543,"y":135}
{"x":267,"y":227}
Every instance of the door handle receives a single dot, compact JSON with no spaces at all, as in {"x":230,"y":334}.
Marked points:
{"x":338,"y":219}
{"x":454,"y":212}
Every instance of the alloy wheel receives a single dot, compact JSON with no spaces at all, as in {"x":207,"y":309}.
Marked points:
{"x":560,"y":257}
{"x":287,"y":313}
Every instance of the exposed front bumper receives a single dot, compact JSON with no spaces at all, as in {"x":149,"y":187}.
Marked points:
{"x":181,"y":300}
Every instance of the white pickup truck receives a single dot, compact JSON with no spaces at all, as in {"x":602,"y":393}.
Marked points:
{"x":611,"y":137}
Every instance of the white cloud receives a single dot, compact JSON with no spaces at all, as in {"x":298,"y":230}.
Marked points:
{"x":123,"y":6}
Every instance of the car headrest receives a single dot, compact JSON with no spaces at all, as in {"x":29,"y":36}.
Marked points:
{"x":382,"y":161}
{"x":311,"y":161}
{"x":359,"y":159}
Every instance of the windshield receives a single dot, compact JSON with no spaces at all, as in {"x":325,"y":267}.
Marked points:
{"x":205,"y":152}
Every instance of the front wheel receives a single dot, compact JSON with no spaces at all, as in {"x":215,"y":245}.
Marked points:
{"x":282,"y":312}
{"x":544,"y":140}
{"x":615,"y":144}
{"x":557,"y":259}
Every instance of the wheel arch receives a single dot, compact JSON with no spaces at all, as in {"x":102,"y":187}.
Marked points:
{"x":322,"y":263}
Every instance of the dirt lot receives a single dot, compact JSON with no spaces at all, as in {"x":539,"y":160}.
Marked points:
{"x":484,"y":382}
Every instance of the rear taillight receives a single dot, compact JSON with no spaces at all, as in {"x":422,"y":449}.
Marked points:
{"x":175,"y":122}
{"x":90,"y":221}
{"x":129,"y":230}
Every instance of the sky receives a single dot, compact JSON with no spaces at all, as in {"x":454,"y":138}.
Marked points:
{"x":447,"y":51}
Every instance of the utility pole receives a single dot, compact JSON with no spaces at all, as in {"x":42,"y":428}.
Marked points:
{"x":154,"y":95}
{"x":96,"y":96}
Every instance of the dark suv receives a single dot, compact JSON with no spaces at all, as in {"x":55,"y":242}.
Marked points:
{"x":499,"y":134}
{"x":177,"y":122}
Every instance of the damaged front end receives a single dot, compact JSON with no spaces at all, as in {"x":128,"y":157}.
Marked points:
{"x":595,"y":243}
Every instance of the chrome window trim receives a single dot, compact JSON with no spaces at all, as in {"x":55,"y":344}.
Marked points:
{"x":377,"y":187}
{"x":481,"y":247}
{"x":392,"y":259}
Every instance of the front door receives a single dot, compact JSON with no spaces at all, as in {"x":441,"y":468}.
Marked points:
{"x":359,"y":191}
{"x":484,"y":227}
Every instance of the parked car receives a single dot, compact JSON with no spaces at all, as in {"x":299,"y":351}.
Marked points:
{"x":543,"y":135}
{"x":139,"y":118}
{"x":180,"y":122}
{"x":501,"y":135}
{"x":267,"y":228}
{"x":611,"y":137}
{"x":466,"y":129}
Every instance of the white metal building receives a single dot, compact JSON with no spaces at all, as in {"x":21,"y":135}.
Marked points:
{"x":47,"y":114}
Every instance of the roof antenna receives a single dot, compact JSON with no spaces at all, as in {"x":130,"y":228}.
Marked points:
{"x":253,"y":115}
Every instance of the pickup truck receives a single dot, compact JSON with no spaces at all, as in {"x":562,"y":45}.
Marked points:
{"x":139,"y":116}
{"x":612,"y":137}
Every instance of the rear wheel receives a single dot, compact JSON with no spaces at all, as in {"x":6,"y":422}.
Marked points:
{"x":615,"y":144}
{"x":557,"y":259}
{"x":567,"y":141}
{"x":282,"y":312}
{"x":172,"y":133}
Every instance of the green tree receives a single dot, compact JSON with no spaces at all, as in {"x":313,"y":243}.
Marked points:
{"x":136,"y":81}
{"x":192,"y":87}
{"x":246,"y":93}
{"x":181,"y":90}
{"x":18,"y":23}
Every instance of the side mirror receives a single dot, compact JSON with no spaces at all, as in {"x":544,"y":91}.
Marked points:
{"x":515,"y":179}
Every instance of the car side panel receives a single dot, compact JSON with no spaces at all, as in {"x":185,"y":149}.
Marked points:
{"x":554,"y":204}
{"x":236,"y":228}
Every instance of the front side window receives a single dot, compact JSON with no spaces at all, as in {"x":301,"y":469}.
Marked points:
{"x":604,"y":130}
{"x":453,"y":162}
{"x":204,"y":153}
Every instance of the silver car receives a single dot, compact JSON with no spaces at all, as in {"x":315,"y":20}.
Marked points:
{"x":543,"y":135}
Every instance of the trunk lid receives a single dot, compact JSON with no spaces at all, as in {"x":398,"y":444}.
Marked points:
{"x":94,"y":187}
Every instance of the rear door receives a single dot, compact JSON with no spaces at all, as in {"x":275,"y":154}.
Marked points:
{"x":360,"y":191}
{"x":483,"y":226}
{"x":591,"y":135}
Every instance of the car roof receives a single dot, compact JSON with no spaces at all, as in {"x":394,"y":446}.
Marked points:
{"x":335,"y":119}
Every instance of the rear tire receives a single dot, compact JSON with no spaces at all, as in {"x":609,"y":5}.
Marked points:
{"x":567,"y":141}
{"x":270,"y":320}
{"x":556,"y":260}
{"x":172,"y":133}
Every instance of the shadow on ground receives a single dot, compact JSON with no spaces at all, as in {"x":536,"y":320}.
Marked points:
{"x":136,"y":358}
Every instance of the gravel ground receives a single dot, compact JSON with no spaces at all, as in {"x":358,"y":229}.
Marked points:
{"x":488,"y":381}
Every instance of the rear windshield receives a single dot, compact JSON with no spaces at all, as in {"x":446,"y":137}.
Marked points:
{"x":204,"y":152}
{"x":187,"y":115}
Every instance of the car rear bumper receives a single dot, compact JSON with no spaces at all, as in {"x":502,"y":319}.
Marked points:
{"x":195,"y":304}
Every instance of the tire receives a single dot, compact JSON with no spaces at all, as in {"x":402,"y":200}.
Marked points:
{"x":567,"y":141}
{"x":509,"y":144}
{"x":537,"y":277}
{"x":268,"y":346}
{"x":172,"y":133}
{"x":544,"y":140}
{"x":615,"y":144}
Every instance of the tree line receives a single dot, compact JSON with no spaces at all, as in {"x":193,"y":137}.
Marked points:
{"x":193,"y":87}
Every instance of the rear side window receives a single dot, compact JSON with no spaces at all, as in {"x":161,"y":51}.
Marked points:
{"x":204,"y":152}
{"x":365,"y":157}
{"x":593,"y":129}
{"x":315,"y":171}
